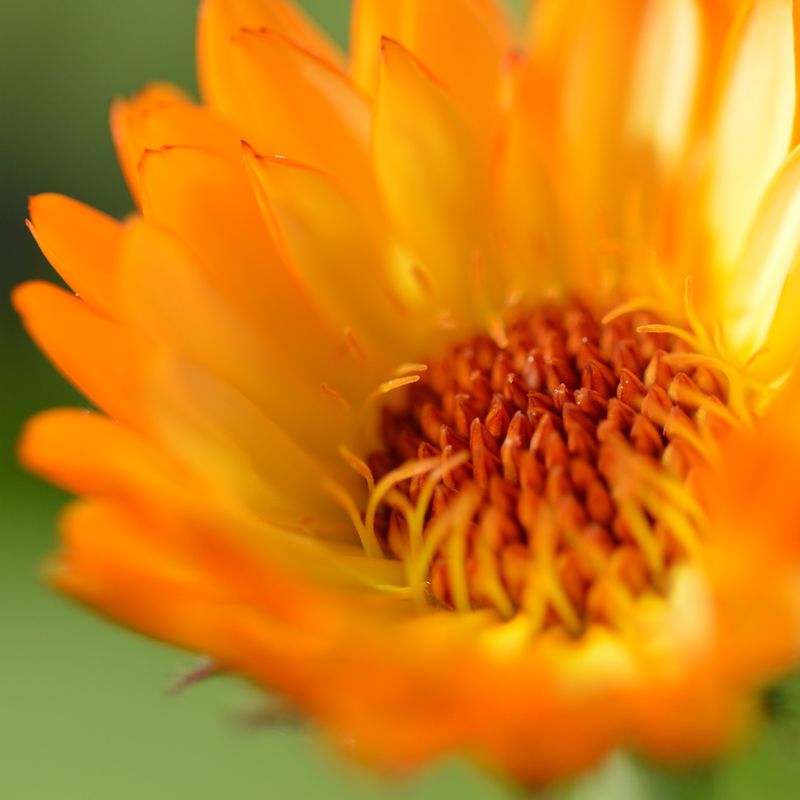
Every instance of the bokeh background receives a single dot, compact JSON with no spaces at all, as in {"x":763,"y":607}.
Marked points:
{"x":84,"y":714}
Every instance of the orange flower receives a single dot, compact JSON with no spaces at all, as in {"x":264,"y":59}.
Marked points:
{"x":448,"y":393}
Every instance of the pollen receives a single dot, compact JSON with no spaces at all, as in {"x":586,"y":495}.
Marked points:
{"x":555,"y":467}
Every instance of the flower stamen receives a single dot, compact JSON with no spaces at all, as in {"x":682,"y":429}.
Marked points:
{"x":548,"y":471}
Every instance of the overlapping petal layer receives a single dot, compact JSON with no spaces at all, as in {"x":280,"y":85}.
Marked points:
{"x":309,"y":234}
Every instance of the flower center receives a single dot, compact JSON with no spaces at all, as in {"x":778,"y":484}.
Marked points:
{"x":565,"y":458}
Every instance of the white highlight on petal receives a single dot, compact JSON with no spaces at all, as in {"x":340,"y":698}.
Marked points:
{"x":769,"y":254}
{"x":665,"y":77}
{"x":753,"y":126}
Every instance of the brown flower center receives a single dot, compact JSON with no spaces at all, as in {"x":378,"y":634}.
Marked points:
{"x":571,"y":437}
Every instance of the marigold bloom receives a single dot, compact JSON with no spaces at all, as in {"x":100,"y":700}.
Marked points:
{"x":447,"y":391}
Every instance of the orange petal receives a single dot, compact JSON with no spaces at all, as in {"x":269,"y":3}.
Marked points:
{"x":526,"y":201}
{"x":220,"y":19}
{"x":89,"y":454}
{"x":124,"y":120}
{"x":332,"y":247}
{"x":93,"y":351}
{"x":753,"y":487}
{"x":550,"y":31}
{"x":207,"y":202}
{"x":431,"y":180}
{"x":81,"y":243}
{"x":237,"y":453}
{"x":460,"y":41}
{"x":161,"y":116}
{"x":597,"y":77}
{"x":288,"y":101}
{"x":106,"y":562}
{"x":168,"y":300}
{"x":371,"y":21}
{"x":203,"y":590}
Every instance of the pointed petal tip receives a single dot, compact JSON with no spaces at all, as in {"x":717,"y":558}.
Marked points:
{"x":248,"y":151}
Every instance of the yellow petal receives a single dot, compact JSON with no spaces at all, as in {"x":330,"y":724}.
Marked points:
{"x":235,"y":450}
{"x":763,"y":300}
{"x":460,"y":41}
{"x":666,"y":73}
{"x":753,"y":122}
{"x":796,"y":31}
{"x":782,"y":348}
{"x":207,"y":202}
{"x":430,"y":178}
{"x":168,"y":301}
{"x":336,"y":251}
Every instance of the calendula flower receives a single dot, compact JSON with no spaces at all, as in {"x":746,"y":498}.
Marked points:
{"x":446,"y":391}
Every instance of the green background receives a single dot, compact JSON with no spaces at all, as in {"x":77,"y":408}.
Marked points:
{"x":83,"y":709}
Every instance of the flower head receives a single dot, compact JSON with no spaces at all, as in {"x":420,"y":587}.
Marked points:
{"x":447,"y":390}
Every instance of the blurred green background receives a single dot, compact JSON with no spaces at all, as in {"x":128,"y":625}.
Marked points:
{"x":83,"y":709}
